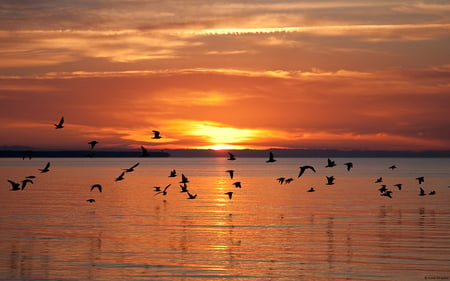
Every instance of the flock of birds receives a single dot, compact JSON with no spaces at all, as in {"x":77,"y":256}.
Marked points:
{"x":330,"y":180}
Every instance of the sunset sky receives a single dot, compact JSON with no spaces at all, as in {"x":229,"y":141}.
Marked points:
{"x":322,"y":74}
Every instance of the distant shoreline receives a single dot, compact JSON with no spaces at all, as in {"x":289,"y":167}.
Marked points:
{"x":16,"y":153}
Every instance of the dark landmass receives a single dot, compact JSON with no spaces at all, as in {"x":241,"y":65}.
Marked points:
{"x":19,"y":153}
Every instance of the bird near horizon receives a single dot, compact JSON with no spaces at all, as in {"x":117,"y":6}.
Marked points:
{"x":349,"y":165}
{"x":164,"y":191}
{"x":330,"y":180}
{"x":304,"y":168}
{"x":173,"y":173}
{"x":46,"y":168}
{"x":60,"y":125}
{"x":90,"y":200}
{"x":421,"y":191}
{"x":98,"y":186}
{"x":393,"y":167}
{"x":24,"y":183}
{"x":156,"y":134}
{"x":281,"y":180}
{"x":14,"y":185}
{"x":120,"y":177}
{"x":131,"y":169}
{"x":231,"y":156}
{"x":93,"y":143}
{"x":378,"y":180}
{"x":144,"y":151}
{"x":399,"y":186}
{"x":420,"y":179}
{"x":184,"y":179}
{"x":271,"y":158}
{"x":330,"y":163}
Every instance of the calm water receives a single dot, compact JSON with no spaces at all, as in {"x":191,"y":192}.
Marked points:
{"x":267,"y":231}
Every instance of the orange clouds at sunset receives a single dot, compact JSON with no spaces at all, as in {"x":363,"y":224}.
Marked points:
{"x":226,"y":75}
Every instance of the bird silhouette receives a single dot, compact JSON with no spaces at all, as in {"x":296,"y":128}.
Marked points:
{"x":281,"y":180}
{"x":387,"y":193}
{"x":231,"y":156}
{"x":330,"y":180}
{"x":271,"y":158}
{"x":24,"y":183}
{"x":173,"y":174}
{"x":98,"y":186}
{"x":231,"y":173}
{"x":349,"y":165}
{"x":90,"y":200}
{"x":14,"y":185}
{"x":378,"y":180}
{"x":60,"y":124}
{"x":144,"y":152}
{"x":392,"y":167}
{"x":184,"y":187}
{"x":383,"y":188}
{"x":184,"y":179}
{"x":191,"y":196}
{"x":399,"y":186}
{"x":422,"y":192}
{"x":46,"y":168}
{"x":93,"y":143}
{"x":237,"y":184}
{"x":304,"y":168}
{"x":131,"y":169}
{"x":230,"y":194}
{"x":164,"y":191}
{"x":156,"y":134}
{"x":311,"y":189}
{"x":288,"y":180}
{"x":420,"y":179}
{"x":120,"y":177}
{"x":330,"y":163}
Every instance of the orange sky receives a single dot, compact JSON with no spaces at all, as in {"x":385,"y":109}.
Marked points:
{"x":226,"y":74}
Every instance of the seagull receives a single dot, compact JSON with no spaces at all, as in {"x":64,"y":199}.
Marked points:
{"x":231,"y":156}
{"x":60,"y":124}
{"x":387,"y":193}
{"x":289,"y":180}
{"x":280,"y":180}
{"x":98,"y":186}
{"x":378,"y":180}
{"x":330,"y":180}
{"x":237,"y":184}
{"x":231,"y":173}
{"x":14,"y":185}
{"x":46,"y":168}
{"x":230,"y":194}
{"x":422,"y":192}
{"x":420,"y":180}
{"x":349,"y":165}
{"x":432,"y":192}
{"x":24,"y":183}
{"x":27,"y":154}
{"x":173,"y":174}
{"x":303,"y":169}
{"x":144,"y":151}
{"x":93,"y":143}
{"x":191,"y":196}
{"x":271,"y":158}
{"x":120,"y":177}
{"x":90,"y":200}
{"x":156,"y":135}
{"x":184,"y":187}
{"x":330,"y":163}
{"x":383,"y":188}
{"x":184,"y":179}
{"x":311,"y":189}
{"x":392,"y":167}
{"x":157,"y":188}
{"x":399,"y":186}
{"x":131,"y":169}
{"x":164,"y":192}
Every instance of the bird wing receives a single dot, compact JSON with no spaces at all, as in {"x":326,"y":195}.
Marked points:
{"x":61,"y":121}
{"x":135,"y":165}
{"x":47,"y":166}
{"x":167,"y":186}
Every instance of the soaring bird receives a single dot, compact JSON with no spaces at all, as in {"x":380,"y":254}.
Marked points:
{"x":156,"y":135}
{"x":230,"y":194}
{"x":387,"y":193}
{"x":330,"y":163}
{"x":90,"y":200}
{"x":231,"y":173}
{"x":349,"y":165}
{"x":422,"y":192}
{"x":120,"y":177}
{"x":304,"y":168}
{"x":46,"y":168}
{"x":184,"y":187}
{"x":311,"y":189}
{"x":392,"y":167}
{"x":131,"y":169}
{"x":93,"y":143}
{"x":330,"y":180}
{"x":231,"y":156}
{"x":24,"y":183}
{"x":60,"y":124}
{"x":14,"y":185}
{"x":271,"y":158}
{"x":98,"y":186}
{"x":420,"y":180}
{"x":184,"y":179}
{"x":237,"y":184}
{"x":399,"y":186}
{"x":173,"y":174}
{"x":144,"y":152}
{"x":191,"y":196}
{"x":164,"y":192}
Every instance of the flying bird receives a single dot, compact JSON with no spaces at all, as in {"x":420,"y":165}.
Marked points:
{"x":432,"y":192}
{"x":383,"y":188}
{"x":60,"y":124}
{"x":271,"y":158}
{"x":131,"y":169}
{"x":304,"y":168}
{"x":422,"y":192}
{"x":230,"y":194}
{"x":184,"y":179}
{"x":330,"y":180}
{"x":164,"y":192}
{"x":231,"y":156}
{"x":156,"y":135}
{"x":311,"y":189}
{"x":349,"y":165}
{"x":120,"y":177}
{"x":378,"y":180}
{"x":288,"y":180}
{"x":93,"y":143}
{"x":399,"y":186}
{"x":98,"y":186}
{"x":237,"y":184}
{"x":387,"y":193}
{"x":231,"y":173}
{"x":281,"y":180}
{"x":392,"y":167}
{"x":330,"y":163}
{"x":90,"y":200}
{"x":14,"y":185}
{"x":191,"y":196}
{"x":144,"y":152}
{"x":420,"y":180}
{"x":184,"y":187}
{"x":46,"y":168}
{"x":24,"y":183}
{"x":173,"y":174}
